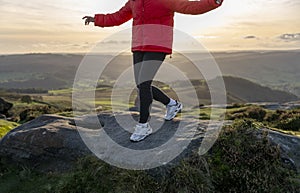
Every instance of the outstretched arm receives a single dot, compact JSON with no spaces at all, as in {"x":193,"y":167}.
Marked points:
{"x":111,"y":19}
{"x":192,"y":7}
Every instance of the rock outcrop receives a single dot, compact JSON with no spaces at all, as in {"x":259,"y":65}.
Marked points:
{"x":53,"y":143}
{"x":290,"y":147}
{"x":48,"y":142}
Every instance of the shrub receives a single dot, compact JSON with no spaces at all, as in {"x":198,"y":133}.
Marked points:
{"x":272,"y":116}
{"x":292,"y":124}
{"x":284,"y":119}
{"x":243,"y":160}
{"x":35,"y":111}
{"x":256,"y":113}
{"x":192,"y":175}
{"x":26,"y":99}
{"x":252,"y":112}
{"x":93,"y":175}
{"x":235,"y":105}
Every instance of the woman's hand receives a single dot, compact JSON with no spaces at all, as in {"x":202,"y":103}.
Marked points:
{"x":88,"y":19}
{"x":219,"y":1}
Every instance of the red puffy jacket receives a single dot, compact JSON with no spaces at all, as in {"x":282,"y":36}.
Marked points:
{"x":153,"y":21}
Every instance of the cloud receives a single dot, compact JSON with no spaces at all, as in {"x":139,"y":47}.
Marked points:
{"x":250,"y":37}
{"x":206,"y":37}
{"x":290,"y":37}
{"x":115,"y":42}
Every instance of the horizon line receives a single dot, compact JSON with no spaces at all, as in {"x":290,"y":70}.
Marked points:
{"x":129,"y":52}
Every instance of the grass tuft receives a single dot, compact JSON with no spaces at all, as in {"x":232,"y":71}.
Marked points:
{"x":6,"y":126}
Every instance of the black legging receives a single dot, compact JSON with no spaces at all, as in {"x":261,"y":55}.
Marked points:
{"x":146,"y":64}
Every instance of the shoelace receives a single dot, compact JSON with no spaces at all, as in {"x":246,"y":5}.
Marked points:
{"x":173,"y":105}
{"x":139,"y":130}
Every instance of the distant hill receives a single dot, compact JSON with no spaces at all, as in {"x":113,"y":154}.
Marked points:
{"x":276,"y":69}
{"x":247,"y":91}
{"x":46,"y":71}
{"x":238,"y":90}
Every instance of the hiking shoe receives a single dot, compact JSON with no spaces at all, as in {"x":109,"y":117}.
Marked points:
{"x":141,"y":132}
{"x":172,"y":110}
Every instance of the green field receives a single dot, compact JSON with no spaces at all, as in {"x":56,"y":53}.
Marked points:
{"x":60,"y":102}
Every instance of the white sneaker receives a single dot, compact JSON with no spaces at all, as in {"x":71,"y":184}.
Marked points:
{"x":141,"y":132}
{"x":172,"y":110}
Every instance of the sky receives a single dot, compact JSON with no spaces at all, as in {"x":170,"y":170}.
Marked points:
{"x":55,"y":26}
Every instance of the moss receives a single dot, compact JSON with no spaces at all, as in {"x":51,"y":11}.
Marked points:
{"x":204,"y":116}
{"x":6,"y":126}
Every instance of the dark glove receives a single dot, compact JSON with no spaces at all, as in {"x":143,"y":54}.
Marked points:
{"x":219,"y":1}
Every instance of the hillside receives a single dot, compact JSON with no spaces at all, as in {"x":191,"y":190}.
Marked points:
{"x":46,"y":71}
{"x":249,"y":91}
{"x":238,"y":90}
{"x":276,"y":69}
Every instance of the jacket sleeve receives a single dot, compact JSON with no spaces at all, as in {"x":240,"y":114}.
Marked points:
{"x":191,"y":7}
{"x":114,"y":19}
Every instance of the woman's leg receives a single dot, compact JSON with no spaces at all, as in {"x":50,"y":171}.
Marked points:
{"x":146,"y":65}
{"x":159,"y":95}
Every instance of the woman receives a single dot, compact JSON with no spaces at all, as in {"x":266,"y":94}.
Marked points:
{"x":152,"y":38}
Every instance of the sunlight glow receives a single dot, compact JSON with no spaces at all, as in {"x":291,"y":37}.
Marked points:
{"x":56,"y":25}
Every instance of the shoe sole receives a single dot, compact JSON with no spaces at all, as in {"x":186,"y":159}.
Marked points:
{"x":176,"y":111}
{"x":147,"y":134}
